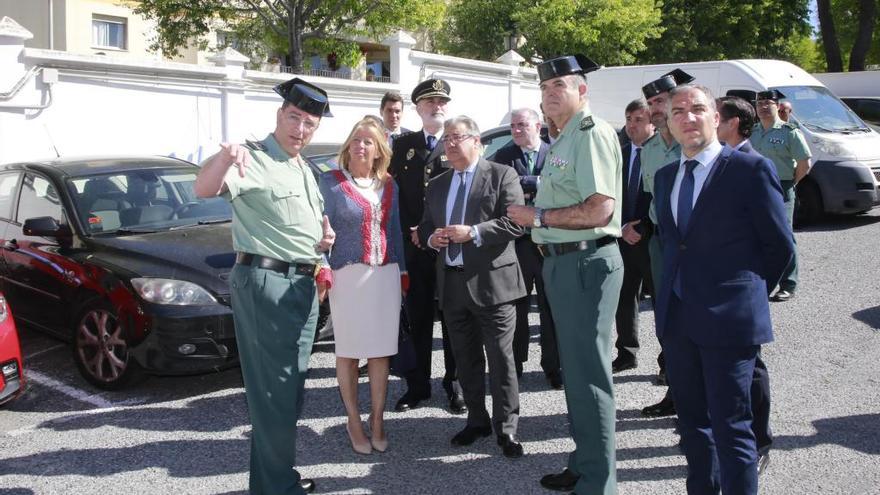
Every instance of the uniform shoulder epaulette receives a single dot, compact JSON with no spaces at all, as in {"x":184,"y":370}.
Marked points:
{"x":791,"y":125}
{"x":586,"y":123}
{"x":652,"y":138}
{"x":255,"y":145}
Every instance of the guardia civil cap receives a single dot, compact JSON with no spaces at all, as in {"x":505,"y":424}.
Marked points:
{"x":305,"y":96}
{"x":771,"y":94}
{"x":666,"y":82}
{"x":430,"y":88}
{"x":563,"y":66}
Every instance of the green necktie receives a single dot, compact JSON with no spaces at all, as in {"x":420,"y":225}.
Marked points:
{"x":530,"y":161}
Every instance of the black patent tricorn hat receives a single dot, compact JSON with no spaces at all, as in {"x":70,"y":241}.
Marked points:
{"x":305,"y":96}
{"x":770,"y":94}
{"x":666,"y":82}
{"x":563,"y":66}
{"x":430,"y":88}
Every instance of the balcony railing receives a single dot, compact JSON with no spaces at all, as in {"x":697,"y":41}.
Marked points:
{"x":331,"y":73}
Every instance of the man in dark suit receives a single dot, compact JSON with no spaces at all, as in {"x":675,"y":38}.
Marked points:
{"x":478,"y":279}
{"x":635,"y":234}
{"x":391,"y":108}
{"x":726,"y":241}
{"x":416,"y":158}
{"x":737,"y":120}
{"x":526,"y":155}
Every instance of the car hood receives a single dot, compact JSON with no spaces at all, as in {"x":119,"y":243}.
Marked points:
{"x":199,"y":254}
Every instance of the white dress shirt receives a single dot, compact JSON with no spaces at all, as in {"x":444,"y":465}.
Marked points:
{"x":701,"y":172}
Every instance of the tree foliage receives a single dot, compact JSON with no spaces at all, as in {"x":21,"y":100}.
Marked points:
{"x":717,"y":29}
{"x":612,"y":32}
{"x":287,"y":25}
{"x":850,"y":37}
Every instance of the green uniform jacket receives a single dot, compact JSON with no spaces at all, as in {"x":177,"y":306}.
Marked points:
{"x":783,"y":143}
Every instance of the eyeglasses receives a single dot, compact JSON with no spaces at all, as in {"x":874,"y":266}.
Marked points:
{"x":455,"y":138}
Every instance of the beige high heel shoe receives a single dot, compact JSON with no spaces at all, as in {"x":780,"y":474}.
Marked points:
{"x":378,"y":445}
{"x":364,"y":448}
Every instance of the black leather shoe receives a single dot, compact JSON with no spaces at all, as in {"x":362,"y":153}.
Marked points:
{"x":555,"y":380}
{"x":782,"y":295}
{"x":308,"y":485}
{"x":663,"y":408}
{"x":457,"y":405}
{"x":623,"y":363}
{"x":510,"y":447}
{"x":470,"y":434}
{"x":561,"y":482}
{"x":763,"y":462}
{"x":408,"y":401}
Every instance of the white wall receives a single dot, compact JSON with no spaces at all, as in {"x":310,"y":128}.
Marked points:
{"x":113,"y":105}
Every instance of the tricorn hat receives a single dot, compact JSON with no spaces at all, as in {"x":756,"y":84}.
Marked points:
{"x":305,"y":96}
{"x":563,"y":66}
{"x":666,"y":82}
{"x":770,"y":94}
{"x":430,"y":88}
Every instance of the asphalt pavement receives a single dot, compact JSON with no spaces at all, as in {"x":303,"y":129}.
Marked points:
{"x":190,"y":435}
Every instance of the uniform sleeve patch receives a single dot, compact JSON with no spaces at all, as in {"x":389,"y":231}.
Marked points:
{"x":586,"y":123}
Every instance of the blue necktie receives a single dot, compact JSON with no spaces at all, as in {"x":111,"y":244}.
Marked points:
{"x":432,"y":142}
{"x":686,"y":196}
{"x":632,"y":186}
{"x":456,"y":218}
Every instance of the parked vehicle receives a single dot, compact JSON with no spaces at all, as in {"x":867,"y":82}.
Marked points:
{"x":868,"y":109}
{"x":12,"y":381}
{"x":846,"y":152}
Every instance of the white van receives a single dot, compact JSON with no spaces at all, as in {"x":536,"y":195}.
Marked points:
{"x":859,"y":90}
{"x":846,"y":152}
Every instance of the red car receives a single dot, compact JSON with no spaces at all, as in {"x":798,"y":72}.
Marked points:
{"x":11,"y":376}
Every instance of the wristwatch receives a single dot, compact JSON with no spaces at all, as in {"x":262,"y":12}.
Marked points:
{"x":473,"y":232}
{"x":538,"y":221}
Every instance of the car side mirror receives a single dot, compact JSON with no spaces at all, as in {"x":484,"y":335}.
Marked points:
{"x":46,"y":227}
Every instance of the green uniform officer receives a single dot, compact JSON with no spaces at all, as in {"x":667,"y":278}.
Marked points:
{"x":576,"y":220}
{"x":784,"y":144}
{"x":657,"y":152}
{"x":278,"y":237}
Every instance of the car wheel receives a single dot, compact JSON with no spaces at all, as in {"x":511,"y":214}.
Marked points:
{"x":100,"y":349}
{"x":809,"y":208}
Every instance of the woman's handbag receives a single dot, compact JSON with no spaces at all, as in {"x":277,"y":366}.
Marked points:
{"x":405,"y":360}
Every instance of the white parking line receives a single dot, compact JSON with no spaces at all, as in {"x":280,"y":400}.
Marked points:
{"x":43,"y":351}
{"x":80,"y":395}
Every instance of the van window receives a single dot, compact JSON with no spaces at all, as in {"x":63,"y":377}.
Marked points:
{"x":817,"y":109}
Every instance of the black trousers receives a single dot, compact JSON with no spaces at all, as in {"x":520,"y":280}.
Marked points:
{"x":636,"y":273}
{"x":760,"y":392}
{"x":530,"y":263}
{"x":422,"y":307}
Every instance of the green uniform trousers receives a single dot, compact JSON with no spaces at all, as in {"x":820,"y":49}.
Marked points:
{"x":790,"y":275}
{"x":583,"y":289}
{"x":275,"y":316}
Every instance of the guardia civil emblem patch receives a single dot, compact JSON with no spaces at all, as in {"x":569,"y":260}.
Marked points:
{"x":586,"y":123}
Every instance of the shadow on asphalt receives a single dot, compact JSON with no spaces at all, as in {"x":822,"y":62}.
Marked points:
{"x":859,"y":432}
{"x":835,"y":223}
{"x":869,"y":316}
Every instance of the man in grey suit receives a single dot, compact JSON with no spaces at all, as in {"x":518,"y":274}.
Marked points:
{"x":478,"y":278}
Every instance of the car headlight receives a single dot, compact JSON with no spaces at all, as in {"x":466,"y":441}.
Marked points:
{"x":173,"y":292}
{"x":4,"y":309}
{"x":833,"y":148}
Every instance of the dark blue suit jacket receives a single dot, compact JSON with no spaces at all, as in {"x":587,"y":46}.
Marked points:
{"x":737,"y":245}
{"x":511,"y":154}
{"x":643,"y":202}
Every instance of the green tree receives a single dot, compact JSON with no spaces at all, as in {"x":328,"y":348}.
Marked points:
{"x":849,"y":24}
{"x":723,"y":29}
{"x":287,"y":25}
{"x":611,"y":32}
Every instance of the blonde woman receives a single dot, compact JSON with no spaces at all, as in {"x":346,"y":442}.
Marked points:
{"x":369,"y":276}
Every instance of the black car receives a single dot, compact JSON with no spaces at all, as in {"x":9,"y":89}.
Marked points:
{"x":119,"y":257}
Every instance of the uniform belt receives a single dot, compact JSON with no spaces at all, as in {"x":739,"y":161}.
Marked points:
{"x":454,"y":268}
{"x":309,"y":270}
{"x":560,"y":248}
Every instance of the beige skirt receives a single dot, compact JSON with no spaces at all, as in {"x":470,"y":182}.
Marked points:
{"x":365,"y":308}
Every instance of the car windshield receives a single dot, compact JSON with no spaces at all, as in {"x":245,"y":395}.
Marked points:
{"x":817,"y":109}
{"x":140,"y":201}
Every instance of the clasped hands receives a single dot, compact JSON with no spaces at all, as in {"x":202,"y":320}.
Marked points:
{"x":450,"y":234}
